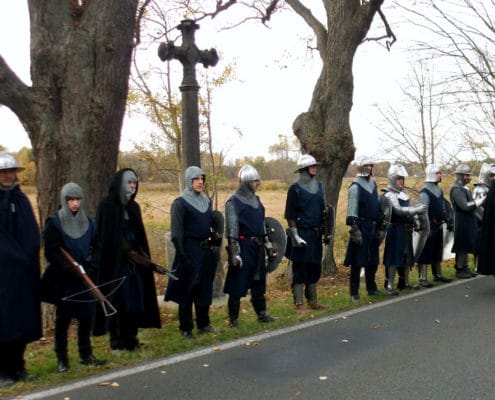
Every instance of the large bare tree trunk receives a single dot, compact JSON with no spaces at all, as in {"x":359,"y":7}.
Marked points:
{"x":324,"y":130}
{"x":73,"y":112}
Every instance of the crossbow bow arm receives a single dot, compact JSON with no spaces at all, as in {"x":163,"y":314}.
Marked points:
{"x":108,"y":308}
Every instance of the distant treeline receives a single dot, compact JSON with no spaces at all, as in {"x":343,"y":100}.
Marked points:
{"x":163,"y":168}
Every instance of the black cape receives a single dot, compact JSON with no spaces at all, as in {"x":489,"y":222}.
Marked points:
{"x":486,"y":256}
{"x":20,"y":308}
{"x":109,"y":253}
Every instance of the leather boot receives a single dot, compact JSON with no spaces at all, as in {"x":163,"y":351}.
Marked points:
{"x":423,"y":276}
{"x":437,"y":273}
{"x":460,"y":266}
{"x":313,"y":297}
{"x":404,"y":281}
{"x":258,"y":301}
{"x":234,"y":305}
{"x":298,"y":293}
{"x":62,"y":363}
{"x":390,"y":281}
{"x":263,"y":316}
{"x":91,"y":360}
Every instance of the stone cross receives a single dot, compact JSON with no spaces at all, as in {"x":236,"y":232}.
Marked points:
{"x":189,"y":55}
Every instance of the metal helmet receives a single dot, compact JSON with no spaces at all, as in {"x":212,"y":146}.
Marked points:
{"x":487,"y":173}
{"x":8,"y":161}
{"x":396,"y":171}
{"x":248,"y":173}
{"x":431,"y":171}
{"x":463,"y":169}
{"x":361,"y":162}
{"x":305,"y":161}
{"x":460,"y":171}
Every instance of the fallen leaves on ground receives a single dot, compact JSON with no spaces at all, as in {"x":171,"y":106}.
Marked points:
{"x":109,"y":384}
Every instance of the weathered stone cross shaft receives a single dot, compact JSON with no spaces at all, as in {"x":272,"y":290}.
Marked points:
{"x":189,"y":55}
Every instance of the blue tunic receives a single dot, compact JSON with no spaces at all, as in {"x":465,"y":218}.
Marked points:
{"x":365,"y":254}
{"x":308,"y":212}
{"x":252,"y":274}
{"x":433,"y":250}
{"x":202,"y":259}
{"x":398,"y":244}
{"x":70,"y":283}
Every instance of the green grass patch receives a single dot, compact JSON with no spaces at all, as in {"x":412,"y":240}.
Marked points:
{"x":333,"y":293}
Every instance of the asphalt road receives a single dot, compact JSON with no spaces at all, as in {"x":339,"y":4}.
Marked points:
{"x":432,"y":344}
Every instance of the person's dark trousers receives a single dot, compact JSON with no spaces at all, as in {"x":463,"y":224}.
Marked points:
{"x":234,"y":305}
{"x":186,"y":313}
{"x":354,"y":278}
{"x":123,"y":332}
{"x":202,"y":316}
{"x":83,"y":337}
{"x":12,"y":358}
{"x":401,"y":282}
{"x":62,"y":324}
{"x":186,"y":316}
{"x":258,"y":301}
{"x":370,"y":278}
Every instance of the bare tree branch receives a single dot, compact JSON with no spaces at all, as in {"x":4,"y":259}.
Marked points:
{"x":464,"y":33}
{"x":137,"y":28}
{"x":388,"y":32}
{"x":16,"y":95}
{"x":317,"y":27}
{"x":418,"y":130}
{"x":220,"y":7}
{"x":269,"y":11}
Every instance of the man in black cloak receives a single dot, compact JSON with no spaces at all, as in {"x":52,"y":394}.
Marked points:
{"x":465,"y":235}
{"x":20,"y":312}
{"x":486,"y":255}
{"x":119,"y":230}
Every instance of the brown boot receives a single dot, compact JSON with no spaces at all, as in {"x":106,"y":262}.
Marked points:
{"x":313,"y":298}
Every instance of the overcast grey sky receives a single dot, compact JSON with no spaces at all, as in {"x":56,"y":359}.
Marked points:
{"x":276,"y":76}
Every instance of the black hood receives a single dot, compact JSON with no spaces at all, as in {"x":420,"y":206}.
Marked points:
{"x":116,"y":184}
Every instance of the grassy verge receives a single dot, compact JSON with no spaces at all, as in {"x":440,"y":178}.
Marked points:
{"x":333,"y":293}
{"x":155,"y":201}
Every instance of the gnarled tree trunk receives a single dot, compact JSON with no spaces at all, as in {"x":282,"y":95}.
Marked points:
{"x":73,"y":111}
{"x":324,"y":130}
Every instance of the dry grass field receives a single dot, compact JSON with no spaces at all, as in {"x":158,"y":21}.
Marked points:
{"x":155,"y":200}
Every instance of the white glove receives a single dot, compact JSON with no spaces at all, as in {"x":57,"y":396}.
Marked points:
{"x":480,"y":200}
{"x":234,"y":256}
{"x":297,"y":241}
{"x":418,"y":209}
